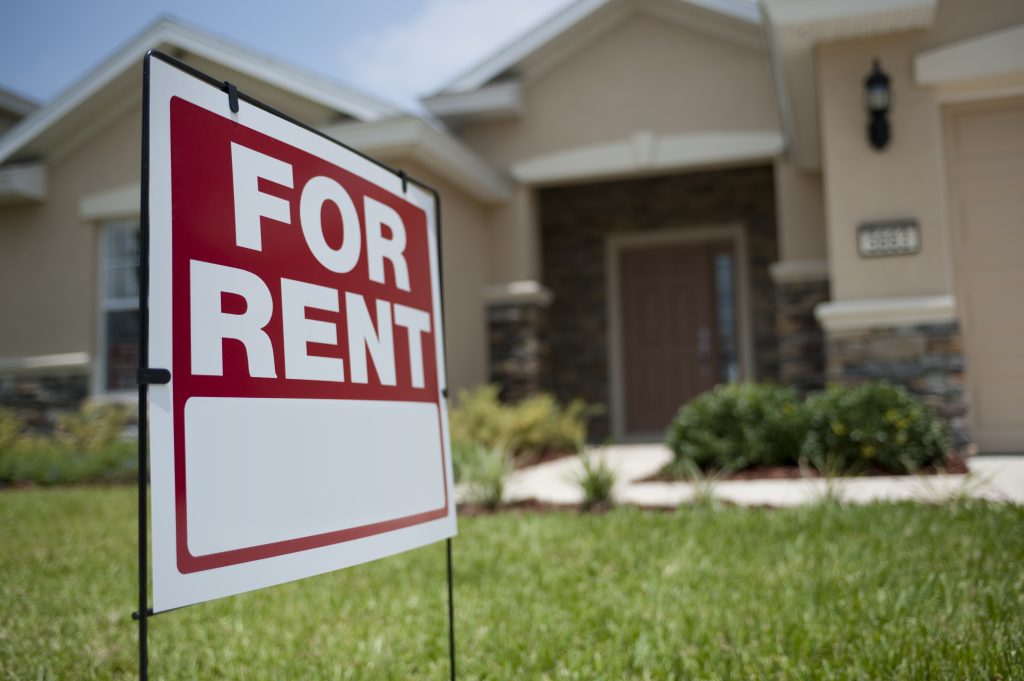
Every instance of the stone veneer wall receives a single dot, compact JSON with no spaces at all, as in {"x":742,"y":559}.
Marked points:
{"x":926,"y":358}
{"x":575,"y":222}
{"x":40,"y":398}
{"x":801,"y":339}
{"x":518,"y":349}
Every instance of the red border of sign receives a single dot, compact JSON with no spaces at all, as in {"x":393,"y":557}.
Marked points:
{"x":187,"y":562}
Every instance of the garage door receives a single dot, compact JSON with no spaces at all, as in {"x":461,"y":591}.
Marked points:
{"x":985,"y":158}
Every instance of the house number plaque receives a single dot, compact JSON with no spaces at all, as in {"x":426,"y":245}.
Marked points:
{"x":890,"y":237}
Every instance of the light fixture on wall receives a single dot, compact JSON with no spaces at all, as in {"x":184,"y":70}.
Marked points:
{"x":877,"y":102}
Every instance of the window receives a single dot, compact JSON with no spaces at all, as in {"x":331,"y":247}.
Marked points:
{"x":725,"y":311}
{"x":119,"y":306}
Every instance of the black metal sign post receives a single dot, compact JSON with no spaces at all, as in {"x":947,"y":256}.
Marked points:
{"x":147,"y":376}
{"x":142,"y":614}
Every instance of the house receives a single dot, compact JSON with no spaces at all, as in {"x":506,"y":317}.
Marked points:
{"x":641,"y":199}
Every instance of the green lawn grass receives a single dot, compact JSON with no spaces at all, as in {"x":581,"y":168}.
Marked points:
{"x":877,"y":592}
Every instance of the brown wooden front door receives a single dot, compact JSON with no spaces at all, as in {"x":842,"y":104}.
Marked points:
{"x":670,"y":327}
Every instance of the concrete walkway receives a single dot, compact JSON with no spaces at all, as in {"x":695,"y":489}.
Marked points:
{"x":998,"y":478}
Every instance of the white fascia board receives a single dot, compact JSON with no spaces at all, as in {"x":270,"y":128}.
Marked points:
{"x":738,"y":9}
{"x":527,"y":291}
{"x":166,"y":32}
{"x":860,"y":315}
{"x":44,"y":363}
{"x":414,"y":139}
{"x":737,"y":21}
{"x":16,"y":104}
{"x":992,"y":55}
{"x":799,"y":271}
{"x":645,"y":152}
{"x":122,"y":202}
{"x":561,"y":22}
{"x":491,"y":102}
{"x":523,"y":46}
{"x":22,"y":182}
{"x":289,"y":78}
{"x":821,"y":20}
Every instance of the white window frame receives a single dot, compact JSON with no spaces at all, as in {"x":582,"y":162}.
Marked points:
{"x":105,"y":306}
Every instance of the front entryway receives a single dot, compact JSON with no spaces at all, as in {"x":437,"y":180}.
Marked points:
{"x":678,"y":330}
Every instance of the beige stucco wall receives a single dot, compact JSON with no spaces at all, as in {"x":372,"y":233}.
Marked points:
{"x":908,"y":178}
{"x":644,"y":74}
{"x":48,"y":286}
{"x":514,"y":238}
{"x":800,"y":213}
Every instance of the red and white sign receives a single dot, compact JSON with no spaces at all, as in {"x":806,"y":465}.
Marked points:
{"x":295,"y":298}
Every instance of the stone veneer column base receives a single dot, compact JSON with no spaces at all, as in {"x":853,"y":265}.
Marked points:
{"x":926,"y":358}
{"x":800,"y":286}
{"x":40,"y":398}
{"x":517,"y":318}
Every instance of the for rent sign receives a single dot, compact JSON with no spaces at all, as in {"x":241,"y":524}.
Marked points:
{"x":295,"y":298}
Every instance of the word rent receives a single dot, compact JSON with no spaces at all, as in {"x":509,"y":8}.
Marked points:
{"x":380,"y":237}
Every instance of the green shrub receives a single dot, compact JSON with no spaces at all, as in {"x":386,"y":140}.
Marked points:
{"x":11,"y":428}
{"x":87,"y":446}
{"x":93,"y":427}
{"x":484,"y":471}
{"x":527,"y":429}
{"x":597,"y":479}
{"x":736,"y":426}
{"x":874,"y":424}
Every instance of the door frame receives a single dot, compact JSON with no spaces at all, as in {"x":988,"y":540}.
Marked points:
{"x":614,"y":245}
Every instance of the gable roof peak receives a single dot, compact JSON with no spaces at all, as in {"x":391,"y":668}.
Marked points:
{"x":737,"y":18}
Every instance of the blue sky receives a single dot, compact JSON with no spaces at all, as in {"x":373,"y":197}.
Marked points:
{"x":396,"y":49}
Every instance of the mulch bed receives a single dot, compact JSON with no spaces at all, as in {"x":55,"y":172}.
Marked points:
{"x":530,"y":506}
{"x":955,"y":464}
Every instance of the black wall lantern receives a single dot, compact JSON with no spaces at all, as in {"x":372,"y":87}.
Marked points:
{"x":877,"y":101}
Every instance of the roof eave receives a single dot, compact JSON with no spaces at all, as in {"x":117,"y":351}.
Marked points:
{"x":167,"y":34}
{"x":410,"y":138}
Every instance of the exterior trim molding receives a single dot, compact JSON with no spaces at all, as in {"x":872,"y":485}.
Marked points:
{"x":527,"y":47}
{"x":122,"y":202}
{"x":613,"y":245}
{"x":167,"y":32}
{"x":500,"y":101}
{"x":16,"y":104}
{"x":23,"y":182}
{"x":414,"y":139}
{"x":858,"y":315}
{"x":646,"y":152}
{"x":795,"y":271}
{"x":824,"y":20}
{"x":43,"y":363}
{"x":992,"y":55}
{"x":518,"y":293}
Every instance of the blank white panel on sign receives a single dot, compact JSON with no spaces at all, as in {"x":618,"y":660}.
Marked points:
{"x":260,"y":471}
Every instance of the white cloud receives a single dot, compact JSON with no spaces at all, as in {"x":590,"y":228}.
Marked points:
{"x":420,"y":53}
